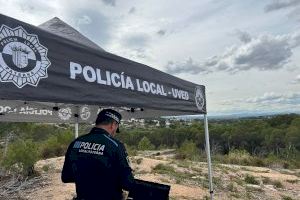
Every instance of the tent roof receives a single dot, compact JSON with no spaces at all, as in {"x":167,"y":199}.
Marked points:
{"x":53,"y":73}
{"x":61,"y":28}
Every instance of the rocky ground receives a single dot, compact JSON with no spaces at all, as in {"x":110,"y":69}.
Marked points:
{"x":188,"y":180}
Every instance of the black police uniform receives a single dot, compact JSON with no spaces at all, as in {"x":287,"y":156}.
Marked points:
{"x":98,"y":164}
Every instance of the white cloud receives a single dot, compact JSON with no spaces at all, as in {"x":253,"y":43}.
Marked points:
{"x":295,"y":39}
{"x":293,"y":6}
{"x":267,"y":99}
{"x":136,"y":40}
{"x":295,"y":13}
{"x":244,"y":36}
{"x":132,"y":10}
{"x":84,"y":20}
{"x":265,"y":52}
{"x":187,"y":66}
{"x":109,"y":2}
{"x":281,"y":4}
{"x":267,"y":103}
{"x":161,"y":32}
{"x":296,"y":80}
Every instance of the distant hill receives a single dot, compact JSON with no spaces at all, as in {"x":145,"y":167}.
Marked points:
{"x":234,"y":116}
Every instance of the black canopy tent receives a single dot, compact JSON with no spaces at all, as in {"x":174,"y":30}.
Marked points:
{"x":52,"y":73}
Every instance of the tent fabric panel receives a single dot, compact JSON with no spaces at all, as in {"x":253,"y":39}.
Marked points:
{"x":46,"y":112}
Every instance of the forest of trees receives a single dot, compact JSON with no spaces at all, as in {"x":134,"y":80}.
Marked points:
{"x":265,"y":141}
{"x":275,"y":138}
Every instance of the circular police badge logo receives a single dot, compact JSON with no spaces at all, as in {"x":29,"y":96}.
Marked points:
{"x":199,"y":98}
{"x":65,"y":113}
{"x":23,"y":60}
{"x":85,"y":113}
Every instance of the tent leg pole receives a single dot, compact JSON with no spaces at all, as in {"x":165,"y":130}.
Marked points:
{"x":211,"y":190}
{"x":76,"y":129}
{"x":77,"y":122}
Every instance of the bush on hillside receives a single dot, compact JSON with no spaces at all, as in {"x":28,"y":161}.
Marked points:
{"x":131,"y":150}
{"x":242,"y":157}
{"x":251,"y":179}
{"x":188,"y":150}
{"x":21,"y":157}
{"x":56,"y":145}
{"x":145,"y":144}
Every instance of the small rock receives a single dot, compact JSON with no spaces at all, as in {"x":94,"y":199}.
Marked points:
{"x":270,"y":187}
{"x":253,"y":186}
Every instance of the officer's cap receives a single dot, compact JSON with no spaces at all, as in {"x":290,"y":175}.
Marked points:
{"x":108,"y":114}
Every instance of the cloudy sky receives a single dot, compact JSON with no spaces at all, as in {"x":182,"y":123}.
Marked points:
{"x":246,"y":52}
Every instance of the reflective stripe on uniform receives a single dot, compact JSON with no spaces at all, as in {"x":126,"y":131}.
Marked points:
{"x":111,"y":140}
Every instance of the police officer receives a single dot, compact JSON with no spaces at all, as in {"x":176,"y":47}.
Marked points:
{"x":98,"y":163}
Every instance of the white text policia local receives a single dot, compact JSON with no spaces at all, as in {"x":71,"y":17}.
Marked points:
{"x":88,"y":147}
{"x":122,"y":80}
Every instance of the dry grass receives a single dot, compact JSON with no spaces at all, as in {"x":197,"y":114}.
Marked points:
{"x":188,"y":179}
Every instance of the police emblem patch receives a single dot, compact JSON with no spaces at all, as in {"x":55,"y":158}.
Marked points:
{"x":85,"y":113}
{"x":23,"y":60}
{"x":199,"y":98}
{"x":65,"y":113}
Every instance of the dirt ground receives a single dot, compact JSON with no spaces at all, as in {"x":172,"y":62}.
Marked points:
{"x":188,"y":180}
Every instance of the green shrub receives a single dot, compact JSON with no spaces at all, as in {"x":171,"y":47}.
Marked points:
{"x":56,"y":145}
{"x":139,"y":161}
{"x":231,"y":187}
{"x":277,"y":184}
{"x":287,"y":198}
{"x":21,"y":157}
{"x":161,"y":168}
{"x":145,"y":144}
{"x":256,"y":161}
{"x":1,"y":156}
{"x":274,"y":161}
{"x":240,"y":157}
{"x":162,"y":147}
{"x":188,"y":150}
{"x":251,"y":180}
{"x":174,"y":146}
{"x":266,"y":180}
{"x":46,"y":168}
{"x":206,"y":197}
{"x":131,"y":150}
{"x":293,"y":181}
